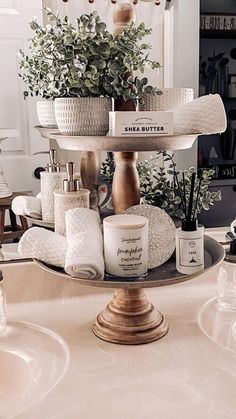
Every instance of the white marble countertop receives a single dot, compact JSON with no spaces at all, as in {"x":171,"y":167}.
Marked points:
{"x":184,"y":375}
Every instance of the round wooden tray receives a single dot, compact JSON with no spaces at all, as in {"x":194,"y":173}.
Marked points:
{"x":130,"y":318}
{"x":40,"y":223}
{"x":47,"y":132}
{"x":132,"y":143}
{"x":165,"y":274}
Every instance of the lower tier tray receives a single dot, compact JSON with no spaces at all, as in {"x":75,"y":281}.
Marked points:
{"x":130,"y":318}
{"x":165,"y":274}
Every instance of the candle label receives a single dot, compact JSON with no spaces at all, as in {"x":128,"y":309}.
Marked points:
{"x":191,"y":252}
{"x":126,"y":251}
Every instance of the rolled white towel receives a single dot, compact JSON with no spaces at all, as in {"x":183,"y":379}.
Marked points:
{"x":27,"y":205}
{"x":205,"y":115}
{"x":84,"y":257}
{"x":44,"y":245}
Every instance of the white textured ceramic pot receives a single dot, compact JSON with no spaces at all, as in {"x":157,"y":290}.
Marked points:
{"x":46,"y":113}
{"x":171,"y":98}
{"x":83,"y":115}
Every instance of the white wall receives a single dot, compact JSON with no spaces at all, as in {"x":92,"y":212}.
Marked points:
{"x":17,"y":158}
{"x":182,"y":51}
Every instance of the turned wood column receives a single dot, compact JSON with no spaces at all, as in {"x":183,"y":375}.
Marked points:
{"x":126,"y":186}
{"x":89,"y":171}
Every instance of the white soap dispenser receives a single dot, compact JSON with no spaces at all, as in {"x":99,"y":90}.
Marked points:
{"x":51,"y":180}
{"x":70,"y":197}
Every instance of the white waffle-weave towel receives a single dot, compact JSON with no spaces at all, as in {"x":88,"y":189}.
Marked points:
{"x":84,"y":257}
{"x":205,"y":115}
{"x":44,"y":245}
{"x":27,"y":205}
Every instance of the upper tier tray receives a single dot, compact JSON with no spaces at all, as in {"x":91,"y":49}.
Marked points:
{"x":106,"y":143}
{"x":47,"y":132}
{"x":165,"y":274}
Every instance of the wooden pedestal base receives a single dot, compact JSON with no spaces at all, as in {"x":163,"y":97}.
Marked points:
{"x":130,"y":319}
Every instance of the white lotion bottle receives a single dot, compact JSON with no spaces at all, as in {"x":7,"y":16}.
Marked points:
{"x":189,"y":248}
{"x":51,"y":180}
{"x":70,"y":197}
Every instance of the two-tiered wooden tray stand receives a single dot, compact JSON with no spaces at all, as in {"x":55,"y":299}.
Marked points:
{"x":129,"y":318}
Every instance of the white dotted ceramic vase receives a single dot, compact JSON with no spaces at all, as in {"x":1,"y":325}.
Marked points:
{"x":171,"y":98}
{"x":83,"y":116}
{"x":46,"y":114}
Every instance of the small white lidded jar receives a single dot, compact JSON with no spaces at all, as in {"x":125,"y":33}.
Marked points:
{"x":126,"y":245}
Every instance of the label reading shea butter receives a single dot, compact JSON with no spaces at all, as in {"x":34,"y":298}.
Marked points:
{"x":140,"y":123}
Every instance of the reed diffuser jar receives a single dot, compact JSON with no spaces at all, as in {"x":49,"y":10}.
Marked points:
{"x":190,"y":237}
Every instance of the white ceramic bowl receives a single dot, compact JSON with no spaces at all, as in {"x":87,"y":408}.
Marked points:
{"x":46,"y":113}
{"x":83,"y":116}
{"x":171,"y":98}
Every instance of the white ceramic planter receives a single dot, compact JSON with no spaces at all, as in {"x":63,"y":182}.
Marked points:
{"x":83,"y":116}
{"x":46,"y":113}
{"x":171,"y":98}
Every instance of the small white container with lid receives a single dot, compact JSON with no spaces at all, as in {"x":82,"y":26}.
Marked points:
{"x":126,"y":245}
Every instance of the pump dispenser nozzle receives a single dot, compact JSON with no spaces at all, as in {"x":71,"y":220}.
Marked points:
{"x":71,"y":184}
{"x":231,"y":253}
{"x":53,"y":165}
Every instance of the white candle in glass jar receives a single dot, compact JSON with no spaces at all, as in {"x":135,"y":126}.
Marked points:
{"x":126,"y":245}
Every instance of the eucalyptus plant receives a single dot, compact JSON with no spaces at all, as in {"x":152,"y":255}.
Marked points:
{"x":85,"y":59}
{"x":158,"y":185}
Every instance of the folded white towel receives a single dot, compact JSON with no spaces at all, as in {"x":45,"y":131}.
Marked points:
{"x":205,"y":115}
{"x":44,"y":245}
{"x":84,"y":257}
{"x":27,"y":205}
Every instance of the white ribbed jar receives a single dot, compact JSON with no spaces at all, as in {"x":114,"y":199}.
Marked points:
{"x":83,"y":115}
{"x":171,"y":98}
{"x":50,"y":182}
{"x":46,"y":114}
{"x":126,"y":245}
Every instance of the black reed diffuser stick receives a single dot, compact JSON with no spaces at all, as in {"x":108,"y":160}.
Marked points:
{"x":198,"y":191}
{"x":190,"y":204}
{"x":184,"y":204}
{"x":179,"y":189}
